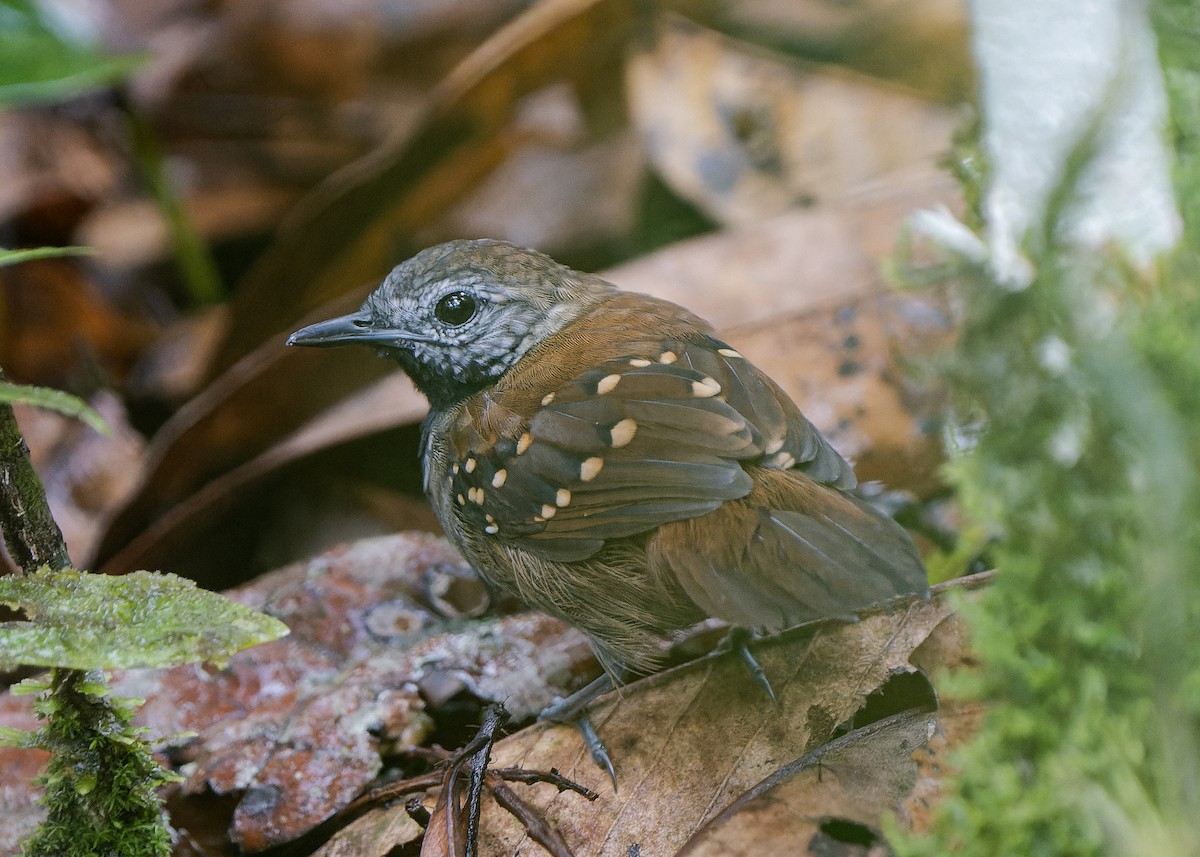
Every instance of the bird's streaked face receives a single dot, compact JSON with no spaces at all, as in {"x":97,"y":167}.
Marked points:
{"x":459,"y":315}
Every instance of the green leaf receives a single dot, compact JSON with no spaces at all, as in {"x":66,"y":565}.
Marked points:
{"x":23,"y":738}
{"x":38,"y":63}
{"x":30,"y":686}
{"x":144,"y":619}
{"x":12,"y":257}
{"x":54,"y":400}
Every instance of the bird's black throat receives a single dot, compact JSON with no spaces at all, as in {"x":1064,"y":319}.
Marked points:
{"x":441,"y":390}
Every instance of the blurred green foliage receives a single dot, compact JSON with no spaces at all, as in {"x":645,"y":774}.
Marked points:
{"x":41,"y":61}
{"x":1087,"y":385}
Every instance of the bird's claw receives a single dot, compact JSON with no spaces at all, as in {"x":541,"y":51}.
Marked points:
{"x":738,"y":641}
{"x":570,"y":709}
{"x":596,"y":747}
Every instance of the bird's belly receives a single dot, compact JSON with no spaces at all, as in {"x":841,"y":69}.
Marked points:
{"x":613,"y":597}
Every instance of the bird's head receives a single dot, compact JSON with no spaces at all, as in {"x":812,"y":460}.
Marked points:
{"x":459,"y":315}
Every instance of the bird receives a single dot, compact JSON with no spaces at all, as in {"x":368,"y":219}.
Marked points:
{"x":604,"y":457}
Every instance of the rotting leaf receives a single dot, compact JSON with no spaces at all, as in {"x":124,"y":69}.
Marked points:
{"x":837,"y":791}
{"x":144,"y":619}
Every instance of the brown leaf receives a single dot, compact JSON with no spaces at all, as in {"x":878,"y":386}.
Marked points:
{"x":379,"y":833}
{"x":833,"y":795}
{"x":57,"y":329}
{"x":348,"y":231}
{"x":921,"y":43}
{"x":223,"y":421}
{"x":745,"y":135}
{"x":688,"y":742}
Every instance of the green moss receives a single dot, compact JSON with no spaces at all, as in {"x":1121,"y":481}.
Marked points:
{"x":101,"y":783}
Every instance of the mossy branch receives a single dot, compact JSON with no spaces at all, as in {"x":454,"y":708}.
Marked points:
{"x":30,"y":531}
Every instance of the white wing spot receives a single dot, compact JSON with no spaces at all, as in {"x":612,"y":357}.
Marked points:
{"x":591,"y":468}
{"x":462,"y":501}
{"x":729,"y":352}
{"x":469,"y":466}
{"x":548,"y":511}
{"x":454,"y":469}
{"x":784,"y":461}
{"x":622,"y":433}
{"x":607,"y":384}
{"x":547,"y":399}
{"x":705,"y":388}
{"x":523,"y":443}
{"x":639,"y":362}
{"x":491,"y":529}
{"x":667,"y":357}
{"x":499,"y":479}
{"x":562,"y":498}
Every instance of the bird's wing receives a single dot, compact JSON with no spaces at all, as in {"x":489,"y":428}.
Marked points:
{"x":630,"y":445}
{"x":790,"y":552}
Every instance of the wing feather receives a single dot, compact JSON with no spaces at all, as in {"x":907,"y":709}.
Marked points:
{"x":629,"y":445}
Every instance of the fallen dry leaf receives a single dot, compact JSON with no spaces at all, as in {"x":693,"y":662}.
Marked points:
{"x":833,"y":795}
{"x":355,"y":226}
{"x":745,"y":135}
{"x":291,"y":731}
{"x":56,"y":328}
{"x":703,"y":756}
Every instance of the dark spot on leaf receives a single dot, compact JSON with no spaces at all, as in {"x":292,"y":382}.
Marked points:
{"x":851,"y":342}
{"x":261,"y":800}
{"x":755,"y":131}
{"x":849,"y":367}
{"x":820,"y":726}
{"x":845,"y":831}
{"x":720,"y":171}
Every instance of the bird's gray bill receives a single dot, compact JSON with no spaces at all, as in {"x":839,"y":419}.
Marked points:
{"x":355,"y":328}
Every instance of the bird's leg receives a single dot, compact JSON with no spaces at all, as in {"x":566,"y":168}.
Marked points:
{"x":570,"y":709}
{"x":738,"y":640}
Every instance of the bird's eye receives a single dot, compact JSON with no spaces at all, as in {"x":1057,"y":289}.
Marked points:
{"x":455,"y":308}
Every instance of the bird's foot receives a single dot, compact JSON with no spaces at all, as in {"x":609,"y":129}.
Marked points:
{"x":570,"y":709}
{"x":738,"y":640}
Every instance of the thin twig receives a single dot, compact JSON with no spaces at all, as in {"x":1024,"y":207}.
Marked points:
{"x":552,"y":777}
{"x":495,"y":717}
{"x":531,"y":819}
